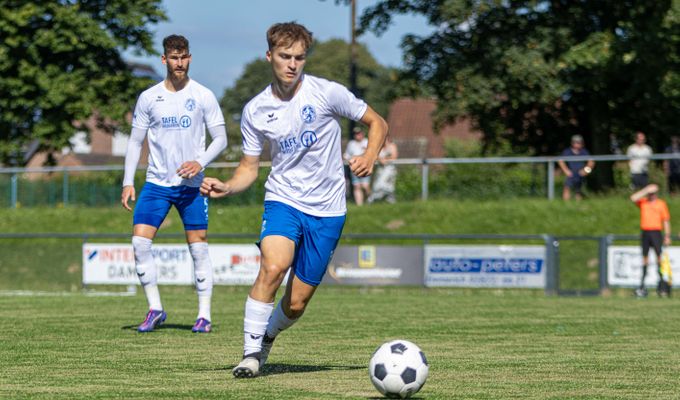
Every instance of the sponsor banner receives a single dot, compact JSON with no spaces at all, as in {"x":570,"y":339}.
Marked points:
{"x":624,"y":266}
{"x":375,"y":266}
{"x":485,"y":266}
{"x":107,"y":263}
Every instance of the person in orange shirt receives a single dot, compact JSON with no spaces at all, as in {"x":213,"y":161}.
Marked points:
{"x":654,"y":218}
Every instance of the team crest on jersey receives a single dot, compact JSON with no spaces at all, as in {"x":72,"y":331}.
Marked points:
{"x":308,"y":138}
{"x":185,"y":121}
{"x":308,"y":113}
{"x":190,"y":104}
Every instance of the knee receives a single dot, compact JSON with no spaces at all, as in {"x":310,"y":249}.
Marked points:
{"x":296,"y":308}
{"x":273,"y":272}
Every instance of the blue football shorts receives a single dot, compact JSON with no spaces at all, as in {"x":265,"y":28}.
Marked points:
{"x":155,"y":201}
{"x":315,"y":238}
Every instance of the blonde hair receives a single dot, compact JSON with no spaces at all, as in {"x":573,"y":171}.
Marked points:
{"x":286,"y":33}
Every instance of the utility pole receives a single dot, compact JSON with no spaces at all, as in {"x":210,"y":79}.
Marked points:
{"x":353,"y":58}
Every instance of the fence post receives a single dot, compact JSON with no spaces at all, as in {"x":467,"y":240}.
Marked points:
{"x":64,"y":189}
{"x":551,"y":180}
{"x":605,"y":242}
{"x":552,"y":274}
{"x":424,"y":188}
{"x":13,"y":195}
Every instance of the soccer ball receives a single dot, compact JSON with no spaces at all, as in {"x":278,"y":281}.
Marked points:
{"x":398,"y":369}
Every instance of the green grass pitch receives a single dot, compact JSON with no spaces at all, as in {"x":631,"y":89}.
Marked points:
{"x":481,"y":344}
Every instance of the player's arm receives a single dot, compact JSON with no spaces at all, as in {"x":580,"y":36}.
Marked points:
{"x":189,"y":169}
{"x":637,"y":196}
{"x":362,"y":165}
{"x":667,"y":232}
{"x":134,"y":151}
{"x":244,"y":176}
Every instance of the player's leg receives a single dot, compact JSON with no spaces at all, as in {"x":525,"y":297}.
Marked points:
{"x":278,"y":239}
{"x":319,"y":239}
{"x":151,"y":209}
{"x":657,"y":243}
{"x":193,"y":209}
{"x":277,"y":255}
{"x":645,"y":244}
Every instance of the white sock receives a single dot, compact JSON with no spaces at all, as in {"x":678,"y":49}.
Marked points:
{"x":279,"y":322}
{"x":146,"y":271}
{"x":257,"y":314}
{"x":203,"y":275}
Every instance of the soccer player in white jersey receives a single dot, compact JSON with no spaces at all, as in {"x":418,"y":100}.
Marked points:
{"x":304,"y":210}
{"x":175,"y":112}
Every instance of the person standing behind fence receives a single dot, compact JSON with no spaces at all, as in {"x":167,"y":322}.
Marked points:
{"x":361,"y":185}
{"x":175,"y":112}
{"x":575,"y":171}
{"x":639,"y":153}
{"x":654,"y":219}
{"x":386,"y":175}
{"x":672,"y":167}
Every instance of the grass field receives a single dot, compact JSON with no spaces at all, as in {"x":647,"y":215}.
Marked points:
{"x":481,"y":344}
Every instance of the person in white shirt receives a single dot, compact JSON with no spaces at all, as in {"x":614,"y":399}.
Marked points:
{"x":639,"y":153}
{"x":304,"y":210}
{"x":361,"y":185}
{"x":175,"y":113}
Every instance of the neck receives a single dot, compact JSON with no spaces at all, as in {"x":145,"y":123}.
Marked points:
{"x":283,"y":91}
{"x":175,"y":85}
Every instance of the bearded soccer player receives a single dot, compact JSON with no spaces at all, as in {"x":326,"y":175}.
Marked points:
{"x":304,"y":210}
{"x":175,"y":112}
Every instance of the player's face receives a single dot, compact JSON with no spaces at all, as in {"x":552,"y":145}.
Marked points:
{"x":288,"y":62}
{"x":177,"y":63}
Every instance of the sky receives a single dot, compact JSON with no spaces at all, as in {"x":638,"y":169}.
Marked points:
{"x":225,"y":35}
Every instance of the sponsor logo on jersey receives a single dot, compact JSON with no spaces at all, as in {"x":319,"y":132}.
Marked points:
{"x":271,"y":118}
{"x":169,"y":122}
{"x":289,"y":145}
{"x":190,"y":104}
{"x":308,"y":138}
{"x":185,"y":121}
{"x":159,"y":99}
{"x":308,"y":113}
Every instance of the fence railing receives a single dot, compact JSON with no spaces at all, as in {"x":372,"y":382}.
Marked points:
{"x":11,"y":175}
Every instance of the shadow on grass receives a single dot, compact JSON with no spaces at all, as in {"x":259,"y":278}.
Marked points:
{"x":179,"y":327}
{"x":277,"y":369}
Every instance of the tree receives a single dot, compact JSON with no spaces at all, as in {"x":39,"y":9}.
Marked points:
{"x":60,"y":62}
{"x":535,"y":72}
{"x":328,"y":60}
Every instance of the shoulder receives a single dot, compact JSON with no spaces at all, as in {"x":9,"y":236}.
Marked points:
{"x":323,"y":86}
{"x":261,"y":99}
{"x":202,"y":91}
{"x":152,"y":91}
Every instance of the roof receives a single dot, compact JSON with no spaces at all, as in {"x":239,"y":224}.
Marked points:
{"x":411,"y":127}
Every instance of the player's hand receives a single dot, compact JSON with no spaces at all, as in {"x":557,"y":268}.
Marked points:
{"x":361,"y":165}
{"x":214,"y":188}
{"x":667,"y":241}
{"x":189,"y":169}
{"x":128,"y":193}
{"x":569,"y":174}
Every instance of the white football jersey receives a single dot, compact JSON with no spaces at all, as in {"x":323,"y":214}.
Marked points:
{"x":176,"y":123}
{"x":305,"y":141}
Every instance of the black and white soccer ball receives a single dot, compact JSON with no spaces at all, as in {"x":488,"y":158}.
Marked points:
{"x":398,"y":369}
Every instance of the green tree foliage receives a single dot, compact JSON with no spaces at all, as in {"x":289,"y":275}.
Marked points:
{"x":535,"y":72}
{"x":60,"y":62}
{"x":330,"y":60}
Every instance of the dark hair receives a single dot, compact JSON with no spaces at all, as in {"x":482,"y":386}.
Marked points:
{"x":286,"y":33}
{"x":175,"y":42}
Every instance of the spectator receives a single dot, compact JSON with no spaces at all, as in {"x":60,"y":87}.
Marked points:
{"x":575,"y":171}
{"x":361,"y":186}
{"x":654,"y":217}
{"x":672,"y":166}
{"x":386,"y":175}
{"x":639,"y":162}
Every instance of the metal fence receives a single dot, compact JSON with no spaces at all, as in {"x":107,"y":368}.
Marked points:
{"x":64,"y":185}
